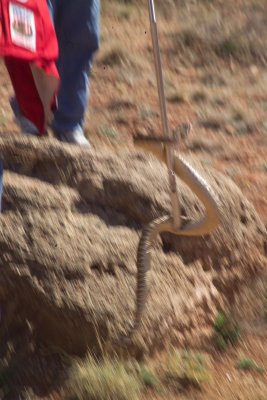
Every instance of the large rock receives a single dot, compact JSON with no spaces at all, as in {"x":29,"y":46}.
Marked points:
{"x":69,"y":235}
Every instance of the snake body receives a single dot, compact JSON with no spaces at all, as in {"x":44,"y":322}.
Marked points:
{"x":207,"y":224}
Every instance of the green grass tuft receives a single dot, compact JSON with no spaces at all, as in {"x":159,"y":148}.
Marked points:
{"x":147,"y":378}
{"x":226,"y":331}
{"x":247,"y":364}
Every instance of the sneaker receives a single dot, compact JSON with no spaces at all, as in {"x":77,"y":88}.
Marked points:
{"x":76,"y":137}
{"x":25,"y":125}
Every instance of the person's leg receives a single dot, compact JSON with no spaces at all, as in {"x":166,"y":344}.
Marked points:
{"x":25,"y":125}
{"x":77,"y":27}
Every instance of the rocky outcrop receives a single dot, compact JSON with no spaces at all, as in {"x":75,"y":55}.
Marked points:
{"x":69,"y":233}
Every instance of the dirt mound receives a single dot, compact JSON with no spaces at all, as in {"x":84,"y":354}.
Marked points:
{"x":69,"y":235}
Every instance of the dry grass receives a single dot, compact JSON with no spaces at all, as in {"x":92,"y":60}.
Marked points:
{"x":175,"y":96}
{"x":211,"y":30}
{"x":114,"y":56}
{"x":186,"y":368}
{"x":231,"y":121}
{"x":114,"y":379}
{"x":109,"y":132}
{"x":108,"y":379}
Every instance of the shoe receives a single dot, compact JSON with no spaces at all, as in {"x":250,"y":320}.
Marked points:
{"x":25,"y":125}
{"x":76,"y":137}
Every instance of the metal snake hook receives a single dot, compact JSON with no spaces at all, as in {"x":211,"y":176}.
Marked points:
{"x":163,"y":112}
{"x":162,"y":149}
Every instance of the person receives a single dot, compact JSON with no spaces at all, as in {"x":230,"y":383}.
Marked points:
{"x":77,"y":27}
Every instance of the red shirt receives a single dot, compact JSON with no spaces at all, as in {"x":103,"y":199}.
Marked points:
{"x":29,"y":46}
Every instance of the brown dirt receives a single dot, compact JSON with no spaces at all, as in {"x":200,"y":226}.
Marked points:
{"x":100,"y":206}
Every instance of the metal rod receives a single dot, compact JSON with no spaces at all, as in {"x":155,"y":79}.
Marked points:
{"x":163,"y":111}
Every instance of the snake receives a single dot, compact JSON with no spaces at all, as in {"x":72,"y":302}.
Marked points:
{"x":206,"y":225}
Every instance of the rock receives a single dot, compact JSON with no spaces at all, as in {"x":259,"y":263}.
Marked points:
{"x":69,"y":235}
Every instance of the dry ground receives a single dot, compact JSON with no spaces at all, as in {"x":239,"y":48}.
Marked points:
{"x":214,"y":58}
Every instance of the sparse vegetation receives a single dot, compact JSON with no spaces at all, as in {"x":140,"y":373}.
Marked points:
{"x":207,"y":34}
{"x":175,"y":97}
{"x":226,"y":331}
{"x":186,"y":368}
{"x":114,"y":379}
{"x":214,"y":122}
{"x":199,"y":96}
{"x":234,"y":122}
{"x":106,"y":379}
{"x":148,"y":378}
{"x":247,"y":364}
{"x":109,"y":131}
{"x":146,"y":112}
{"x":116,"y":56}
{"x":121,"y":117}
{"x":122,"y":10}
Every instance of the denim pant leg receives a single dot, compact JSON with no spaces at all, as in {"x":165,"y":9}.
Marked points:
{"x":77,"y":25}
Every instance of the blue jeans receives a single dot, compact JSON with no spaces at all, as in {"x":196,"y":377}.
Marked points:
{"x":77,"y":25}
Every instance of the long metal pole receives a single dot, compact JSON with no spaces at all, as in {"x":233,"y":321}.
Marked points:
{"x":164,"y":119}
